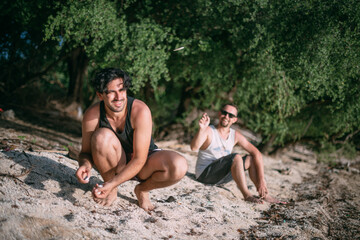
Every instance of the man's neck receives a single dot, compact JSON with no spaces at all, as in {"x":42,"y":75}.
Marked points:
{"x":224,"y":131}
{"x":116,"y":116}
{"x":219,"y":126}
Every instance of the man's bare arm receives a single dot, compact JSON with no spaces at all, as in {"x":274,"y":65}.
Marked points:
{"x":89,"y":124}
{"x":202,"y":134}
{"x":85,"y":157}
{"x":142,"y":125}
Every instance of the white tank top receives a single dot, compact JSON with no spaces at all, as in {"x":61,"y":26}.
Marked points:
{"x":217,"y":149}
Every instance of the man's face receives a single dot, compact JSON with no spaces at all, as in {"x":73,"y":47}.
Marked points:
{"x":227,"y":116}
{"x":115,"y":95}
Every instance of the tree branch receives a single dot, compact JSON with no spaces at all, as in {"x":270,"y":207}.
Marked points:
{"x":350,"y":135}
{"x":30,"y":78}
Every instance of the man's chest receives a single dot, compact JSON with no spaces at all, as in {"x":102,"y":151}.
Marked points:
{"x":117,"y":125}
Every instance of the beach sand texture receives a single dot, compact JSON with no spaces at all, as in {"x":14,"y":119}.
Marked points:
{"x":40,"y":198}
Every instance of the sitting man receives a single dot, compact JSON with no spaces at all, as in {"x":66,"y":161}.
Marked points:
{"x":216,"y":164}
{"x":116,"y":139}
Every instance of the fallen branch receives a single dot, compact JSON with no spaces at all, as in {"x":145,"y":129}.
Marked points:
{"x":18,"y":141}
{"x":16,"y":177}
{"x":53,"y":151}
{"x":72,"y":153}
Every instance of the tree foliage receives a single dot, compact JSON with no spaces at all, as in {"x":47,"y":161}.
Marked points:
{"x":290,"y":66}
{"x":308,"y":84}
{"x":24,"y":56}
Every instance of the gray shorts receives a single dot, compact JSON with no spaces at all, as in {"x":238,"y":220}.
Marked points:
{"x":219,"y":171}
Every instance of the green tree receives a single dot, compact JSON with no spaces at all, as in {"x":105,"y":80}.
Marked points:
{"x":99,"y":32}
{"x":290,"y":66}
{"x":24,"y":56}
{"x":85,"y":30}
{"x":303,"y":81}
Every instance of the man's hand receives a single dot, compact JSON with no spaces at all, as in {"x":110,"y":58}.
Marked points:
{"x":83,"y":174}
{"x":102,"y":190}
{"x":204,"y":121}
{"x":262,"y":189}
{"x":202,"y":135}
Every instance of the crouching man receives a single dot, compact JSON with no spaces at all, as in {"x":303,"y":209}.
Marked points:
{"x":117,"y":141}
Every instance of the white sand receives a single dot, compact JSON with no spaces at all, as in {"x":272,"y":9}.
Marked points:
{"x":49,"y":203}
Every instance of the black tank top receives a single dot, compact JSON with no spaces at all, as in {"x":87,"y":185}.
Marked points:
{"x":126,"y":136}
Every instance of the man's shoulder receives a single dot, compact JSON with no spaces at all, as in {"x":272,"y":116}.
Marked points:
{"x":140,"y":113}
{"x":138,"y":102}
{"x":139,"y":107}
{"x":237,"y":131}
{"x":92,"y":112}
{"x":209,"y":130}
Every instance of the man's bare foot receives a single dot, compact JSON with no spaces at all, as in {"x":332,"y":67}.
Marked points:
{"x":143,"y":199}
{"x":271,"y":199}
{"x":253,"y":199}
{"x":108,"y":200}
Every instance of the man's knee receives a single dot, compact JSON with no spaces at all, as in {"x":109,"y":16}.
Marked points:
{"x":178,"y":166}
{"x":238,"y":162}
{"x":102,"y":139}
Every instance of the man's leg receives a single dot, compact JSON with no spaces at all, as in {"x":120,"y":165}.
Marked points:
{"x":249,"y":164}
{"x":109,"y":157}
{"x":162,"y":169}
{"x":238,"y":174}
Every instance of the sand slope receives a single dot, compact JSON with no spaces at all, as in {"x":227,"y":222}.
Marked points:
{"x":40,"y":198}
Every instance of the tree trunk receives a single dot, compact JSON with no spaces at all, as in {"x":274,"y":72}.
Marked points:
{"x":267,"y":147}
{"x":77,"y":67}
{"x":186,"y":95}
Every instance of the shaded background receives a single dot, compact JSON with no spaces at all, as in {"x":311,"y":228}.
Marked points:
{"x":292,"y":67}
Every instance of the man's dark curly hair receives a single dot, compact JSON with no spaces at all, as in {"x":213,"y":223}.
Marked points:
{"x":106,"y":75}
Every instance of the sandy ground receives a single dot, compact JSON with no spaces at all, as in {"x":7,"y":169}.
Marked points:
{"x":40,"y":197}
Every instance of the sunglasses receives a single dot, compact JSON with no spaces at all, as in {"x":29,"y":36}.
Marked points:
{"x":223,"y":112}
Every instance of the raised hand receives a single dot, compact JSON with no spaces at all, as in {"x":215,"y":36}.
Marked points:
{"x":204,"y":121}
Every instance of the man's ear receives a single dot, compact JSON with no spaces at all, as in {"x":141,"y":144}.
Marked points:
{"x":99,"y":96}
